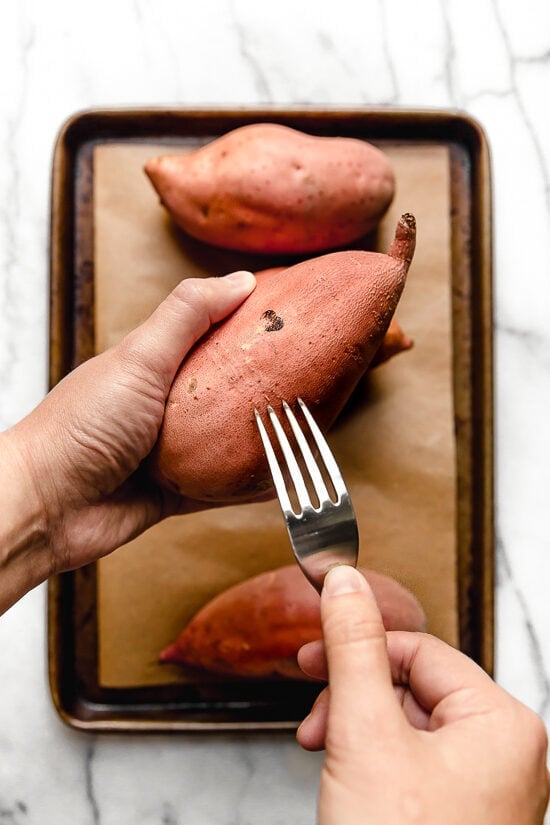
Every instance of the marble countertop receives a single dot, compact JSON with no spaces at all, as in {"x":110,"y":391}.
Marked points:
{"x":490,"y":59}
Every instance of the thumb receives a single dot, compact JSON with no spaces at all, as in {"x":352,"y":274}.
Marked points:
{"x":361,"y":690}
{"x":163,"y":340}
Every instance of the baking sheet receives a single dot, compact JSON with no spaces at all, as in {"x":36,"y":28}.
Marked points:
{"x":395,"y":443}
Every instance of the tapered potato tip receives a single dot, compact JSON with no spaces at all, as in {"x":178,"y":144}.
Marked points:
{"x":395,"y":341}
{"x":161,"y":171}
{"x":151,"y":168}
{"x":404,"y":240}
{"x":170,"y":654}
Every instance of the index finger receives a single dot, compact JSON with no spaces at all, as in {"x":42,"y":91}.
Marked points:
{"x":360,"y":679}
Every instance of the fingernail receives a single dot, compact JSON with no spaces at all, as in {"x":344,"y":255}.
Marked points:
{"x":242,"y":278}
{"x":344,"y":579}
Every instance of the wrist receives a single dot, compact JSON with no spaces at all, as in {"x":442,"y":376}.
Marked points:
{"x":24,"y":535}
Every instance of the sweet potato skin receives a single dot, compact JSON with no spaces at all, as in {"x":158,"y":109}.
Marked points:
{"x":269,"y":188}
{"x":395,"y":339}
{"x":310,"y":332}
{"x":255,"y":629}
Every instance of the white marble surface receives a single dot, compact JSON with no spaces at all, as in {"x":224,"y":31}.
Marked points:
{"x":490,"y":58}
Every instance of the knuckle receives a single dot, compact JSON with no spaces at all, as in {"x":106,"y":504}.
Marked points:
{"x":191,"y":300}
{"x":535,"y":733}
{"x":192,"y":294}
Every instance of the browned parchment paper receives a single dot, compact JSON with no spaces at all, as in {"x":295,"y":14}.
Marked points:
{"x":395,"y":444}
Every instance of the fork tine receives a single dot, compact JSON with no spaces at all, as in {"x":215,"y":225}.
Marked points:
{"x":278,"y":480}
{"x":311,"y":464}
{"x":295,"y":473}
{"x":333,"y":470}
{"x":321,"y":536}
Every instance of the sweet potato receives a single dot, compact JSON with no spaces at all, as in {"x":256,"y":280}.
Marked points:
{"x":395,"y":340}
{"x":310,"y":332}
{"x":269,"y":188}
{"x":256,"y":628}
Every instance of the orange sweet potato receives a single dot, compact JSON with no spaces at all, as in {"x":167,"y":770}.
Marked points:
{"x":310,"y":332}
{"x":256,"y":628}
{"x":269,"y":188}
{"x":395,"y":340}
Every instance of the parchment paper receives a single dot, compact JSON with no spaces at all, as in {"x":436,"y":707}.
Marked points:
{"x":394,"y":444}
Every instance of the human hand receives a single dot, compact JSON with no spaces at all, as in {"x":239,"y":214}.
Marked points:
{"x":415,"y":732}
{"x":76,"y":459}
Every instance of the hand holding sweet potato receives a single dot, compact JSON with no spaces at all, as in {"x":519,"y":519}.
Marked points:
{"x":310,"y":332}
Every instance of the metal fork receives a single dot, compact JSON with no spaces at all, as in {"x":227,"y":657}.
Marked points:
{"x":323,"y":533}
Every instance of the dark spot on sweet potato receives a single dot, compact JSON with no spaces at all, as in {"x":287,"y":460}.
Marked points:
{"x":272,"y":321}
